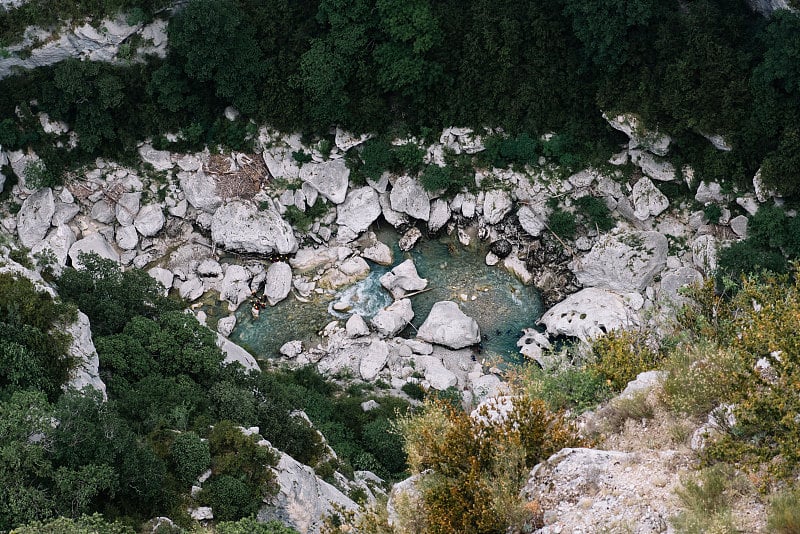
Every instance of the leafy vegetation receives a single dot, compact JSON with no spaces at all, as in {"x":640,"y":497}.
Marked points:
{"x":371,"y":65}
{"x":478,"y":463}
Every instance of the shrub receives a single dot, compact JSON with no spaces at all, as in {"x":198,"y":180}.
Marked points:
{"x":706,"y":499}
{"x":701,"y":376}
{"x":562,"y":223}
{"x":479,"y":464}
{"x":190,"y":455}
{"x":435,"y":178}
{"x":784,"y":512}
{"x":377,"y":156}
{"x":413,"y":390}
{"x":251,"y":526}
{"x":620,"y":355}
{"x":712,"y":212}
{"x":94,"y":524}
{"x":230,"y":498}
{"x":573,"y":388}
{"x":596,"y":212}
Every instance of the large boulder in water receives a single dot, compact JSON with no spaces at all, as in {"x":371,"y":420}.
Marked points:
{"x":447,"y":325}
{"x":278,"y":283}
{"x":392,"y":320}
{"x":403,"y":278}
{"x":242,"y":226}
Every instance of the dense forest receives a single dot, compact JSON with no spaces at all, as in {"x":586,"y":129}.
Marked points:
{"x":706,"y":67}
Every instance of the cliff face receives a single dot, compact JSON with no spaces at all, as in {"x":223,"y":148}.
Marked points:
{"x":766,"y":7}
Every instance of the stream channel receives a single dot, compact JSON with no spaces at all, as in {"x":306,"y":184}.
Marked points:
{"x":495,"y":298}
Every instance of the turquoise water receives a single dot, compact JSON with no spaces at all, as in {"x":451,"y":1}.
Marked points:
{"x":500,"y":303}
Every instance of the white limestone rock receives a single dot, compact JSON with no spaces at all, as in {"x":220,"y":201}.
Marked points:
{"x":447,"y":325}
{"x":403,"y":279}
{"x":86,"y":372}
{"x":303,"y":499}
{"x":150,"y":220}
{"x":704,"y":252}
{"x":673,"y":281}
{"x":348,"y":272}
{"x":236,"y":354}
{"x":242,"y":226}
{"x":374,"y":360}
{"x":34,"y":217}
{"x":126,"y":237}
{"x":440,"y":214}
{"x":345,"y":140}
{"x":409,"y":197}
{"x":394,"y":318}
{"x":739,"y":226}
{"x":378,"y":252}
{"x":64,"y":213}
{"x":190,"y":290}
{"x":496,"y":205}
{"x":162,"y":276}
{"x":200,"y":190}
{"x":709,"y":192}
{"x":291,"y":349}
{"x":278,"y":282}
{"x":640,"y":137}
{"x":532,"y":219}
{"x":624,"y":261}
{"x":160,"y":159}
{"x":589,"y":313}
{"x":92,"y":243}
{"x":647,"y":200}
{"x":436,"y":374}
{"x":58,"y":241}
{"x":361,"y":207}
{"x":103,"y":212}
{"x":235,"y":286}
{"x":330,"y":178}
{"x":655,"y":168}
{"x":127,"y":207}
{"x":409,"y":239}
{"x":395,"y":218}
{"x":356,"y":326}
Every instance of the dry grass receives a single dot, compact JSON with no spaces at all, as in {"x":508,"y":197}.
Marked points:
{"x":237,"y":175}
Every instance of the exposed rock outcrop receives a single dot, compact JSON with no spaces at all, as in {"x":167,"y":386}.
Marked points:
{"x":278,"y":282}
{"x":625,"y":261}
{"x":242,"y":226}
{"x":447,"y":325}
{"x":590,"y":313}
{"x":329,"y":178}
{"x":33,"y":219}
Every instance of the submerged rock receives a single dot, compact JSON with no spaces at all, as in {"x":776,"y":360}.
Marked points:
{"x":447,"y":325}
{"x":501,"y":248}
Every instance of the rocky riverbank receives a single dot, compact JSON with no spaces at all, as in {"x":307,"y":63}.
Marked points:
{"x":183,"y":217}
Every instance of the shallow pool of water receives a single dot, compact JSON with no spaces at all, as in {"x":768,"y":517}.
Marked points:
{"x":500,"y":303}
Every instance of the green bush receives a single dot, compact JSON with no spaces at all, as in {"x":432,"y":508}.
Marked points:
{"x":621,"y":355}
{"x":573,"y":388}
{"x":230,"y":498}
{"x":249,"y":525}
{"x":190,"y":455}
{"x":563,"y":224}
{"x":415,"y":391}
{"x":596,"y":211}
